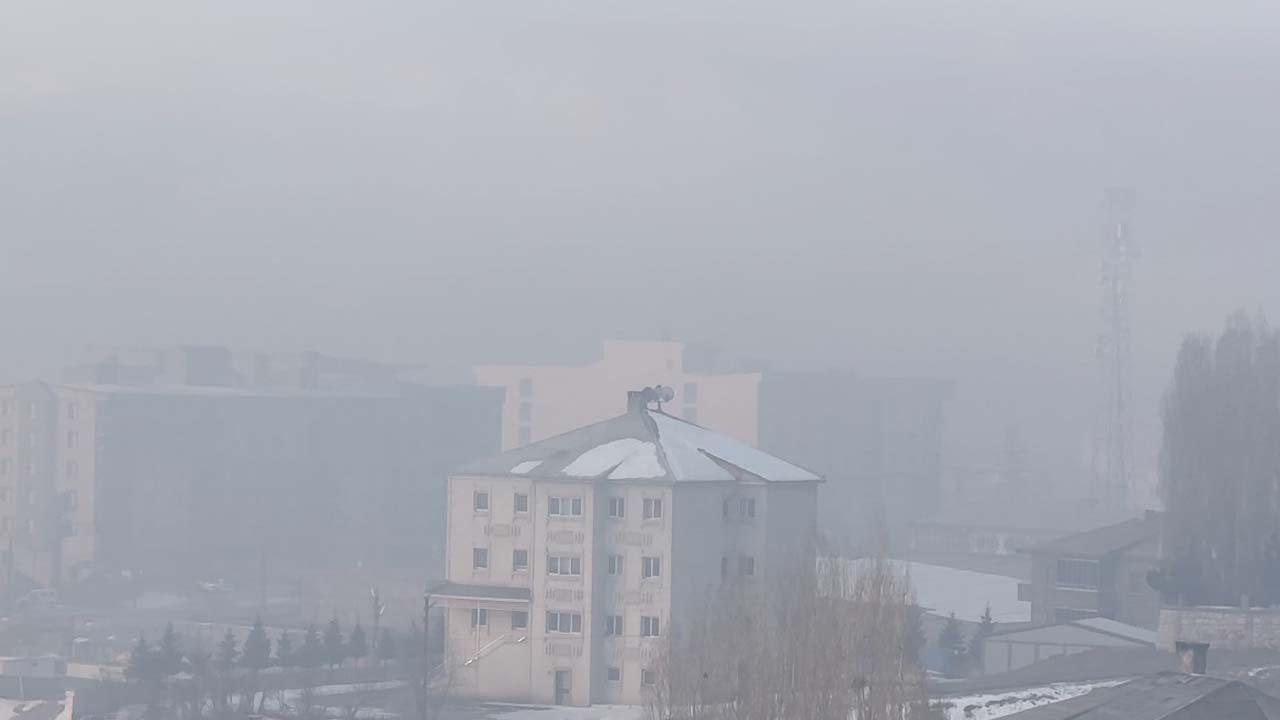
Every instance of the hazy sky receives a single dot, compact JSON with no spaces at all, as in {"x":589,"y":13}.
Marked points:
{"x":899,"y":186}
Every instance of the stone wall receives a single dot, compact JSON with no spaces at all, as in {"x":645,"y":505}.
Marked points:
{"x":1221,"y":627}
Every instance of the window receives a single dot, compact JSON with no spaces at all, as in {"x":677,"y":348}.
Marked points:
{"x":617,"y":507}
{"x":6,"y":437}
{"x":480,"y":501}
{"x":72,"y":499}
{"x":4,"y":407}
{"x":31,"y":468}
{"x":648,"y":678}
{"x":747,"y":506}
{"x":564,"y":565}
{"x":522,"y":503}
{"x":746,"y":565}
{"x":72,"y":411}
{"x":564,"y":622}
{"x":480,"y":558}
{"x":648,"y":626}
{"x":31,"y":497}
{"x":73,"y":469}
{"x":613,"y":625}
{"x":563,"y":507}
{"x":4,"y":525}
{"x":520,"y":560}
{"x":526,"y":387}
{"x":690,"y":393}
{"x":984,"y":544}
{"x":614,"y":674}
{"x":652,"y":508}
{"x":479,"y":617}
{"x":650,"y":567}
{"x":615,"y":564}
{"x":526,"y":412}
{"x":519,"y":620}
{"x":5,"y":466}
{"x":724,"y":509}
{"x":724,"y":566}
{"x":1077,"y":574}
{"x":526,"y":435}
{"x":31,"y":439}
{"x":73,"y":439}
{"x":31,"y":411}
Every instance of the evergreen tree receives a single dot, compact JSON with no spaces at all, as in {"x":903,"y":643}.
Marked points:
{"x":143,"y":661}
{"x":311,"y":654}
{"x":335,"y":650}
{"x":285,"y":657}
{"x":227,"y":652}
{"x":915,"y":639}
{"x":952,"y":643}
{"x":977,"y":644}
{"x":387,"y":645}
{"x":170,"y":652}
{"x":257,"y":647}
{"x":357,"y":645}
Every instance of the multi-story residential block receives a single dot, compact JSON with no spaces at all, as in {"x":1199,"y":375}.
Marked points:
{"x":546,"y":400}
{"x":189,"y":482}
{"x":568,"y":560}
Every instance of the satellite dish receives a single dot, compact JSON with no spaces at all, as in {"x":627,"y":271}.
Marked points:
{"x":665,"y":394}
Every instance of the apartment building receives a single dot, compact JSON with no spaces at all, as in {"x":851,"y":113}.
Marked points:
{"x":569,"y":559}
{"x":546,"y":400}
{"x":188,"y":482}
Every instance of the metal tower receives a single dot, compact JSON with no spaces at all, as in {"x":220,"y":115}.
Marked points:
{"x":1113,"y":451}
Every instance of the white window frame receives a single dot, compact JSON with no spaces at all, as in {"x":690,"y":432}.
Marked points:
{"x":479,"y":496}
{"x":515,"y":502}
{"x":653,"y":508}
{"x":479,"y":554}
{"x":650,"y":567}
{"x":650,"y":626}
{"x":613,"y":674}
{"x":617,"y":507}
{"x":564,"y":565}
{"x":616,"y":565}
{"x":557,"y":505}
{"x":558,"y":618}
{"x":746,"y":565}
{"x":514,"y":614}
{"x":613,"y":625}
{"x":515,"y":564}
{"x":479,"y":618}
{"x":747,"y":508}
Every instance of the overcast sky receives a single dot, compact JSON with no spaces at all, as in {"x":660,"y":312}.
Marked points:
{"x":900,"y":186}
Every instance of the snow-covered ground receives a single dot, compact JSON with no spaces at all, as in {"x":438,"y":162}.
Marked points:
{"x":14,"y":709}
{"x":596,"y":712}
{"x":994,"y":705}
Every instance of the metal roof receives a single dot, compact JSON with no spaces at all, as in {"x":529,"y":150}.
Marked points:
{"x":1165,"y":696}
{"x":486,"y":592}
{"x":1104,"y":540}
{"x":643,"y":444}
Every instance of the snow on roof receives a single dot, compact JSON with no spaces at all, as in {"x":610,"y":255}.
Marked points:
{"x":643,"y":445}
{"x":628,"y":458}
{"x":943,"y":590}
{"x":1115,"y":627}
{"x":525,"y":467}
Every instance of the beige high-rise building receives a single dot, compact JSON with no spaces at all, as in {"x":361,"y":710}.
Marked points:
{"x":568,"y":559}
{"x":546,"y":400}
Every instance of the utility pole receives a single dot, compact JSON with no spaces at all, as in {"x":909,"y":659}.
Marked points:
{"x":426,"y":655}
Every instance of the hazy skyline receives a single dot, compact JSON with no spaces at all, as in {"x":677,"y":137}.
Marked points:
{"x":903,"y":188}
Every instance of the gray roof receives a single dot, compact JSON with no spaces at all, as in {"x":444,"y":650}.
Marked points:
{"x":1166,"y":696}
{"x":487,"y":592}
{"x":1104,"y":540}
{"x":643,"y":444}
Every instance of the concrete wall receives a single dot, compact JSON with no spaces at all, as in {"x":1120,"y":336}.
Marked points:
{"x":559,"y":398}
{"x":1221,"y":627}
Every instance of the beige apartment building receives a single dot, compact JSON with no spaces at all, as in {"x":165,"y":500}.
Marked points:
{"x":568,"y":559}
{"x":546,"y":400}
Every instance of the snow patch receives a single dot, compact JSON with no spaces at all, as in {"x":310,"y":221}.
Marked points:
{"x":629,"y":458}
{"x":595,"y":712}
{"x":525,"y":467}
{"x":996,"y":705}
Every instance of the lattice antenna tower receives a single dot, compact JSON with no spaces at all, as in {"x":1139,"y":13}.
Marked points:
{"x":1113,"y":450}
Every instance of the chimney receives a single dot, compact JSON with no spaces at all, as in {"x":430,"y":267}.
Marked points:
{"x":636,"y":401}
{"x":1193,"y":657}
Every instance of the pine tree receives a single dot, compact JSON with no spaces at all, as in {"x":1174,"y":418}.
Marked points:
{"x":227,"y":652}
{"x":357,"y":645}
{"x":977,"y":644}
{"x":170,"y":652}
{"x":284,"y":651}
{"x":387,"y":645}
{"x":257,"y":647}
{"x":334,"y":649}
{"x":914,"y":634}
{"x":951,"y":641}
{"x":143,"y":663}
{"x":311,"y":654}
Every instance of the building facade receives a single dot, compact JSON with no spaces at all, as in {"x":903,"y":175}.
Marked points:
{"x":569,"y":559}
{"x":1098,"y":573}
{"x":545,"y":400}
{"x":191,"y":482}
